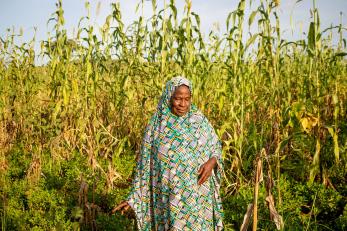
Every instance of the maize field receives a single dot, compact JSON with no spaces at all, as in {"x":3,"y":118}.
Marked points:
{"x":71,"y":124}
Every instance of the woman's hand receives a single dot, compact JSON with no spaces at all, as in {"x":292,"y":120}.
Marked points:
{"x":123,"y":207}
{"x":205,"y":170}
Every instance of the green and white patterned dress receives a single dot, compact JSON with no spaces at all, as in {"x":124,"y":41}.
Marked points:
{"x":165,"y":194}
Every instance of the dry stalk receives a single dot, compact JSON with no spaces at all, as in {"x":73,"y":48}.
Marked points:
{"x":111,"y":176}
{"x":247,"y":218}
{"x":258,"y":178}
{"x":34,"y":171}
{"x":90,"y":209}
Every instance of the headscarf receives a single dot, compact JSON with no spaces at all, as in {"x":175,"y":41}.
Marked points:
{"x":170,"y":88}
{"x":173,"y":149}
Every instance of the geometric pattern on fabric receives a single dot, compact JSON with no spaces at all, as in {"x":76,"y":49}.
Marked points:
{"x":165,"y":194}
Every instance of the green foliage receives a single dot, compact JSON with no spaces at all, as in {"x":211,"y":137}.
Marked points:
{"x":235,"y":206}
{"x":310,"y":206}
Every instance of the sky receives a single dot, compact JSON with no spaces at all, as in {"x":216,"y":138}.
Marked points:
{"x":294,"y":15}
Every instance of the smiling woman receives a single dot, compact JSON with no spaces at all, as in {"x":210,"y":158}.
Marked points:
{"x":176,"y":186}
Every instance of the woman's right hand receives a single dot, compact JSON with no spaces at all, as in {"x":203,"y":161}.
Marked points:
{"x":123,"y":207}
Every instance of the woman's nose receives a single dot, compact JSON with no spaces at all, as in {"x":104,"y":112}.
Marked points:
{"x":183,"y":103}
{"x":180,"y":103}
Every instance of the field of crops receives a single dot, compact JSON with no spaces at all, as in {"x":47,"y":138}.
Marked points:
{"x":70,"y":129}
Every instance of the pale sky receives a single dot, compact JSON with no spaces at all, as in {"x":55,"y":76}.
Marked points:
{"x":27,"y":14}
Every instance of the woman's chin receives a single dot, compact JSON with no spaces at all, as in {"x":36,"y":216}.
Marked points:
{"x":180,"y":113}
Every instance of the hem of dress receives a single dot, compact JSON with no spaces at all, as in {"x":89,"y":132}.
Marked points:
{"x":131,"y":204}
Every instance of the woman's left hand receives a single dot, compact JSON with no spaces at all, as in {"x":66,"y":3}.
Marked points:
{"x":205,"y":170}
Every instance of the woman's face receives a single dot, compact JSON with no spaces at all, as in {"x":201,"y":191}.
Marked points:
{"x":180,"y":100}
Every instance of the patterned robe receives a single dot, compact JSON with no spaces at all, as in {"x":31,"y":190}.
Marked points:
{"x":165,"y":194}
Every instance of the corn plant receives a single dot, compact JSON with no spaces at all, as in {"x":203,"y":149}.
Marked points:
{"x":73,"y":113}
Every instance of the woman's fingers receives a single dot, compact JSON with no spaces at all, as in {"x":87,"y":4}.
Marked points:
{"x":202,"y":180}
{"x":201,"y":169}
{"x":125,"y":208}
{"x":122,"y":206}
{"x":203,"y":176}
{"x":200,"y":173}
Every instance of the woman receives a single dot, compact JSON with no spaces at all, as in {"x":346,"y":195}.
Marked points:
{"x":176,"y":186}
